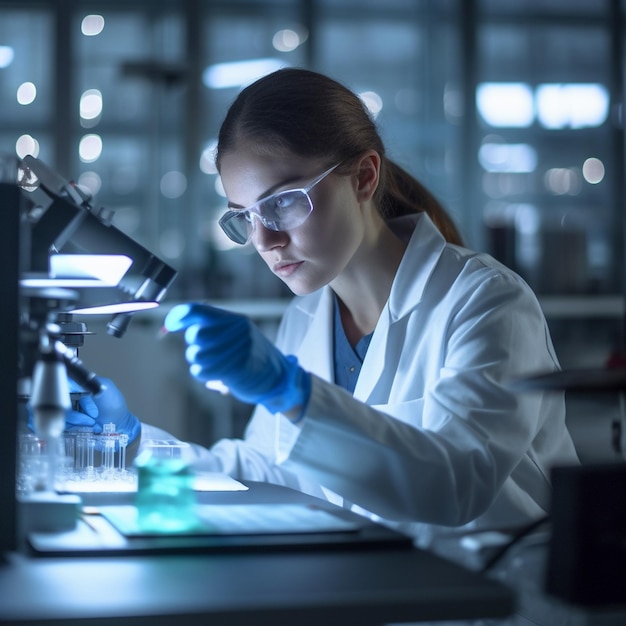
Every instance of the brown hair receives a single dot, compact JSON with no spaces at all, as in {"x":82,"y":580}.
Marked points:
{"x":312,"y":115}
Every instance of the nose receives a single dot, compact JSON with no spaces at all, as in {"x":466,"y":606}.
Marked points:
{"x":265,"y":239}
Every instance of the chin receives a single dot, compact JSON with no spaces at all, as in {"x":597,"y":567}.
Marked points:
{"x":300,"y":289}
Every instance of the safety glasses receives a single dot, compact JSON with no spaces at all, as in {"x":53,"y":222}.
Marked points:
{"x":280,"y":211}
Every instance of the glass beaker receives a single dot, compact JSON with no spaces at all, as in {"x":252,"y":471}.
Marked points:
{"x":166,"y":500}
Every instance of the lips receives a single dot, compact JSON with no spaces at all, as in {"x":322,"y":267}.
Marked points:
{"x":286,"y":268}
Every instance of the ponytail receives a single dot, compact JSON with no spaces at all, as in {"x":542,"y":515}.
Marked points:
{"x":402,"y":194}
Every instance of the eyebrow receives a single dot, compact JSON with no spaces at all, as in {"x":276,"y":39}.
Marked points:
{"x":269,"y":192}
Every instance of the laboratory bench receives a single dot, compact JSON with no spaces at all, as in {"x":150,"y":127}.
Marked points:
{"x":355,"y":573}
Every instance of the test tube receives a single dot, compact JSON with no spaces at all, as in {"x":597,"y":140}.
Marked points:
{"x":90,"y":469}
{"x":121,"y":461}
{"x":108,"y":448}
{"x":85,"y":446}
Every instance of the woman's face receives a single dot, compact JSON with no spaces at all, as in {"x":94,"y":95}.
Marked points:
{"x":313,"y":254}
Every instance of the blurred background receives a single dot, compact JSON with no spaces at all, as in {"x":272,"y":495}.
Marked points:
{"x":510,"y":111}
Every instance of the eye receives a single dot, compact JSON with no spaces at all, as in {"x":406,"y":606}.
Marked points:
{"x":282,"y":202}
{"x":241,"y":217}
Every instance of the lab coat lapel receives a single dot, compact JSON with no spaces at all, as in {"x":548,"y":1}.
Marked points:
{"x":373,"y":369}
{"x":316,"y":350}
{"x":418,"y":263}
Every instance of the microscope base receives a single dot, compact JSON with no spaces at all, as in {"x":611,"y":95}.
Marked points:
{"x":48,"y":511}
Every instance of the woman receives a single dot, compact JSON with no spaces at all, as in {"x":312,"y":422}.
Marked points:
{"x":395,"y":396}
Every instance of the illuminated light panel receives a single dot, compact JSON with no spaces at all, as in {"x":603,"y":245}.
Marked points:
{"x":25,"y":145}
{"x":82,"y":270}
{"x":106,"y":268}
{"x":119,"y":307}
{"x":287,"y":40}
{"x":91,"y":104}
{"x":506,"y":104}
{"x":512,"y":158}
{"x":238,"y":73}
{"x":26,"y":93}
{"x":572,"y":105}
{"x":372,"y":101}
{"x":6,"y":56}
{"x":67,"y":283}
{"x":593,"y":170}
{"x":90,"y":148}
{"x":92,"y":25}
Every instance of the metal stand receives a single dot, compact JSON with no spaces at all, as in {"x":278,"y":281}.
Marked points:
{"x":10,"y":202}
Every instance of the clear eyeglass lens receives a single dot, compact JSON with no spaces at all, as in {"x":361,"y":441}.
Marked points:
{"x":279,"y":212}
{"x":237,"y":226}
{"x":284,"y":210}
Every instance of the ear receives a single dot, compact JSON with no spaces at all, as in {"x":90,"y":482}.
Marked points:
{"x":368,"y":175}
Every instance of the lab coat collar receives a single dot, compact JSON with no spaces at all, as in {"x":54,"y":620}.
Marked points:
{"x":425,"y":247}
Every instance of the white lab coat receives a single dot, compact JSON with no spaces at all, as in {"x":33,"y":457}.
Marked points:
{"x":433,"y":438}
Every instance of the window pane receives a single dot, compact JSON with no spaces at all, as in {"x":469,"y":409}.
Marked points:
{"x":413,"y":67}
{"x":556,"y":217}
{"x":26,"y":77}
{"x":132,"y":73}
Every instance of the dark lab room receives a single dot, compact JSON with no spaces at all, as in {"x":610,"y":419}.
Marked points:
{"x":314,"y":312}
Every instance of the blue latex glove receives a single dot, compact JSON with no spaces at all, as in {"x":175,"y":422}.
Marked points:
{"x":227,"y":347}
{"x":107,"y":406}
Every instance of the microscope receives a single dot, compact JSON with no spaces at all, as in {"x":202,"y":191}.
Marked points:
{"x":69,"y":258}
